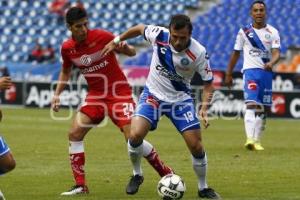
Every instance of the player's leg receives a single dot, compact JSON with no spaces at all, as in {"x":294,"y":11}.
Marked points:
{"x":151,"y":155}
{"x":7,"y":162}
{"x":251,"y":95}
{"x":249,"y":122}
{"x":120,"y":110}
{"x":139,"y":129}
{"x":145,"y":119}
{"x":82,"y":123}
{"x":2,"y":196}
{"x":258,"y":127}
{"x":199,"y":160}
{"x":183,"y":116}
{"x":262,"y":111}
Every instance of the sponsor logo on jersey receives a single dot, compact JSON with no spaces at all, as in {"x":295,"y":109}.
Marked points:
{"x":170,"y":75}
{"x":86,"y":60}
{"x":252,"y":85}
{"x":278,"y":106}
{"x":184,"y":61}
{"x":267,"y":36}
{"x":258,"y":53}
{"x":95,"y":67}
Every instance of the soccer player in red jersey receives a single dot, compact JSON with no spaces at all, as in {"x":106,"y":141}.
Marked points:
{"x":109,"y":92}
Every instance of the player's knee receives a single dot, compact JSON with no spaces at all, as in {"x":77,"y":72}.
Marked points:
{"x":8,"y":165}
{"x":138,"y":132}
{"x":251,"y":106}
{"x":196,"y":148}
{"x":136,"y":139}
{"x":11,"y":165}
{"x":75,"y":136}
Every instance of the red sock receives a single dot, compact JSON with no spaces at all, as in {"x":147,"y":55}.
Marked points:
{"x":158,"y":164}
{"x":77,"y":164}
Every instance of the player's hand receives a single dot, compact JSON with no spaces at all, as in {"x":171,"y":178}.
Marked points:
{"x":108,"y":48}
{"x":55,"y":103}
{"x":203,"y":116}
{"x":5,"y":82}
{"x":228,"y":80}
{"x":122,"y":45}
{"x":268,"y":66}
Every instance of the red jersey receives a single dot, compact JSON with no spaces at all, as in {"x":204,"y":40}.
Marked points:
{"x":102,"y":74}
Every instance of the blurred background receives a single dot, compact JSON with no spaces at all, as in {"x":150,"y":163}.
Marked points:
{"x":33,"y":30}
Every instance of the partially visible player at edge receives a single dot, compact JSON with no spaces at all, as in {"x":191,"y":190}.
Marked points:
{"x":175,"y":59}
{"x":7,"y":162}
{"x":260,"y":43}
{"x":109,"y":92}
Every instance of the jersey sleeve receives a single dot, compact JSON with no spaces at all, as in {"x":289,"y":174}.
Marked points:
{"x":67,"y":63}
{"x":151,"y":32}
{"x":203,"y":67}
{"x":276,"y":41}
{"x":239,"y":41}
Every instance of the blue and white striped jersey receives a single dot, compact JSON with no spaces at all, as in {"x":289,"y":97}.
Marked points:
{"x":171,"y":71}
{"x":256,"y":45}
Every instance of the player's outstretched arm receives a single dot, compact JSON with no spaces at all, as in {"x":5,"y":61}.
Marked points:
{"x":125,"y":49}
{"x":64,"y":77}
{"x":206,"y":99}
{"x":232,"y":62}
{"x":130,"y":33}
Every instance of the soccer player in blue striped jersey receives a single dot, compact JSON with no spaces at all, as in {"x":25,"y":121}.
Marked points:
{"x":260,"y":43}
{"x":7,"y":162}
{"x":176,"y":57}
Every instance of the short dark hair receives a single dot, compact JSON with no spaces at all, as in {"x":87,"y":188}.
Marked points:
{"x":257,"y":1}
{"x":75,"y":14}
{"x":180,"y":21}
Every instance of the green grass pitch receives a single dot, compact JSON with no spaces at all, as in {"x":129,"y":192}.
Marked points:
{"x":40,"y":147}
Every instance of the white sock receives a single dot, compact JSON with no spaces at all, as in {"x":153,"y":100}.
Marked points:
{"x":249,"y":120}
{"x":259,"y":127}
{"x":147,"y":148}
{"x":76,"y":147}
{"x":200,"y":167}
{"x":135,"y":154}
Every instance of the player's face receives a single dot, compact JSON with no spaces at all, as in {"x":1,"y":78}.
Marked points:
{"x":79,"y":29}
{"x":180,"y":38}
{"x":258,"y":13}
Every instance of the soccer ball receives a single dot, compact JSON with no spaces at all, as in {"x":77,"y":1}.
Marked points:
{"x":171,"y":187}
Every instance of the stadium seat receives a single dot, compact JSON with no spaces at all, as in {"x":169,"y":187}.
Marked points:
{"x":217,"y":28}
{"x":214,"y":29}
